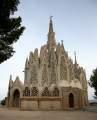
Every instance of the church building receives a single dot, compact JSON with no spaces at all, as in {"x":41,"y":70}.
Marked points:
{"x":52,"y":81}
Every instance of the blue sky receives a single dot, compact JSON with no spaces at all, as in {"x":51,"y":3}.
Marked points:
{"x":75,"y":22}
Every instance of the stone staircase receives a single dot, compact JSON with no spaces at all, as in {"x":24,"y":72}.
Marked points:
{"x":90,"y":109}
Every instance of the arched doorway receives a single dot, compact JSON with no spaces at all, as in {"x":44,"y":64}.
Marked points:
{"x":71,"y":100}
{"x":16,"y":98}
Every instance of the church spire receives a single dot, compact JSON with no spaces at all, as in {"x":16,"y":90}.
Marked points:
{"x":75,"y":58}
{"x":51,"y":43}
{"x":51,"y":25}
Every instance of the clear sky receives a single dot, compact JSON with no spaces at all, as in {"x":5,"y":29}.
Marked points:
{"x":75,"y":22}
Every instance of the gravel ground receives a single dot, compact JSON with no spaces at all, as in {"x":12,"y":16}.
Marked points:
{"x":15,"y":114}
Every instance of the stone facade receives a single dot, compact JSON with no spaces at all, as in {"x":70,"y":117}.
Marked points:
{"x":51,"y":82}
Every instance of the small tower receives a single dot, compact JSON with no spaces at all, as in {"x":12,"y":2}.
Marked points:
{"x":51,"y":43}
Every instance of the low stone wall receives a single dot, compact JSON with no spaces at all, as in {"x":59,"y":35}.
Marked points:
{"x":29,"y":105}
{"x":44,"y":103}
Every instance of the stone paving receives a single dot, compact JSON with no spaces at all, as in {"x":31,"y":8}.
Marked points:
{"x":16,"y":114}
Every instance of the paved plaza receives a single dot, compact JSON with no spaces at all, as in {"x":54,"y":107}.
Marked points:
{"x":15,"y":114}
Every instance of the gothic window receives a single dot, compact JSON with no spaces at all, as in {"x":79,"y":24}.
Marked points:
{"x":26,"y":92}
{"x":76,"y":73}
{"x":56,"y":92}
{"x":46,"y":92}
{"x":53,"y":74}
{"x":34,"y":74}
{"x":34,"y":92}
{"x":63,"y":69}
{"x":44,"y":75}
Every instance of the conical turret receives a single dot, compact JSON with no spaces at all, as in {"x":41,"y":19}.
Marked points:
{"x":10,"y":85}
{"x":31,"y":58}
{"x":26,"y":63}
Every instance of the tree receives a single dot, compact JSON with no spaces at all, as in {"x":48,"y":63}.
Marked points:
{"x":3,"y":102}
{"x":93,"y":80}
{"x":10,"y":28}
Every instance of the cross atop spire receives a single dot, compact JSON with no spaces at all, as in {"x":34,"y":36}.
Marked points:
{"x":51,"y":18}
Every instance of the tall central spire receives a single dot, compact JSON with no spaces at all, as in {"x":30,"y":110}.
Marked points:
{"x":50,"y":25}
{"x":51,"y":43}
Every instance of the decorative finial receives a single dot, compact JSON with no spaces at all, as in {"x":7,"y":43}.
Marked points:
{"x":62,"y":42}
{"x":51,"y":18}
{"x":10,"y":77}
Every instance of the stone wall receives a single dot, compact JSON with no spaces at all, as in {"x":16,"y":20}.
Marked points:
{"x":44,"y":103}
{"x":61,"y":102}
{"x":29,"y":105}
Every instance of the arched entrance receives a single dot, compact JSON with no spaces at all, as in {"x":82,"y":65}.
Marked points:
{"x":71,"y":100}
{"x":16,"y":98}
